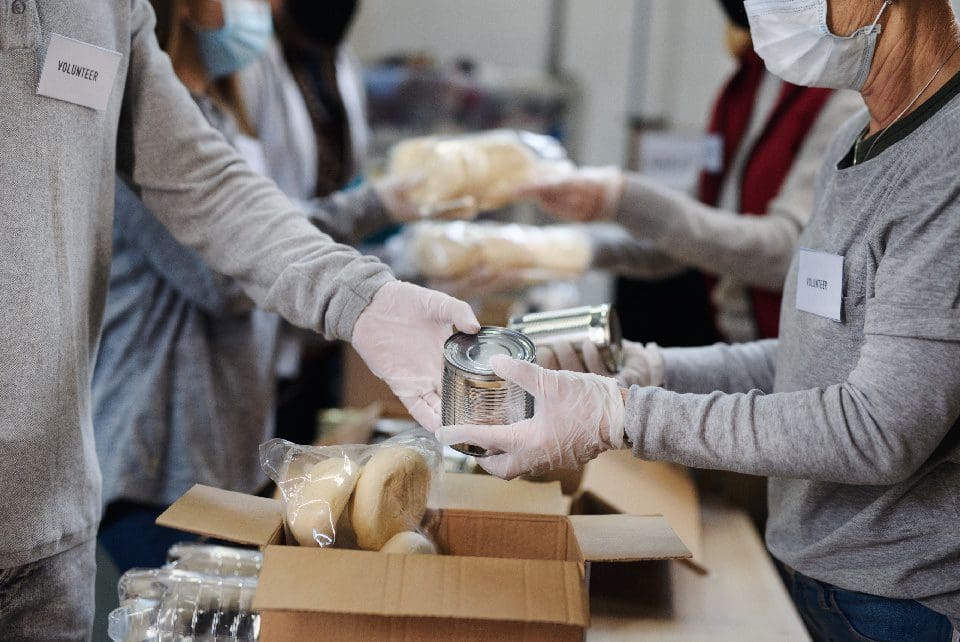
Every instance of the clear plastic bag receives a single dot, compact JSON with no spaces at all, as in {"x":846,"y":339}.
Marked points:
{"x":513,"y":253}
{"x":161,"y":605}
{"x":355,"y":496}
{"x":481,"y":171}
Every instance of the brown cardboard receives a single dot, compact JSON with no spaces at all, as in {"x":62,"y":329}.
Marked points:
{"x":485,"y":493}
{"x":436,"y":586}
{"x":513,"y":575}
{"x":226,"y":515}
{"x":626,"y":538}
{"x":290,"y":626}
{"x":617,"y":482}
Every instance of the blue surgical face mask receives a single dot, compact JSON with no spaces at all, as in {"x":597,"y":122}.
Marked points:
{"x":796,"y":44}
{"x":244,"y":36}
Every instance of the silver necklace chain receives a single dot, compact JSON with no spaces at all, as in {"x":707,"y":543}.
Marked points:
{"x":856,"y":147}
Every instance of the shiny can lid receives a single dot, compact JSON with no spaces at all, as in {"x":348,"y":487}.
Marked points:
{"x":472,"y":352}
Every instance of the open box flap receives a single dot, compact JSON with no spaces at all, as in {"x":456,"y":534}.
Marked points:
{"x":624,"y":484}
{"x":365,"y":583}
{"x":626,"y":538}
{"x":486,"y":493}
{"x":226,"y":515}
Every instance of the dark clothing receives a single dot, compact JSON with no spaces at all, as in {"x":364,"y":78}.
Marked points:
{"x":833,"y":614}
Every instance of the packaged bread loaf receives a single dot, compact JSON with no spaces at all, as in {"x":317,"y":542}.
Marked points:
{"x":484,"y":169}
{"x":358,"y":496}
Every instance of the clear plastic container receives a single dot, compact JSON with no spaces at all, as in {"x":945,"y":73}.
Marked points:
{"x":222,"y":561}
{"x":170,"y":605}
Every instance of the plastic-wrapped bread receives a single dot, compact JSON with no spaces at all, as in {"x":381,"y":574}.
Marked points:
{"x":486,"y":168}
{"x":409,"y":543}
{"x":455,"y":249}
{"x":314,"y":513}
{"x":390,"y":497}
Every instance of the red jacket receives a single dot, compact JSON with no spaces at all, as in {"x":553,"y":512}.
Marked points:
{"x":770,"y":160}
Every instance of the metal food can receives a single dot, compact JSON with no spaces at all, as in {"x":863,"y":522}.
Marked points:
{"x":472,"y":392}
{"x":598,"y":324}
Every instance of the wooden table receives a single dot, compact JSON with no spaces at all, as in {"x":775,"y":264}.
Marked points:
{"x":741,"y":599}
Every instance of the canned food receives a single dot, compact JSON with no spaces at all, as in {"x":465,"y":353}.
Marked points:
{"x":472,"y":392}
{"x":599,"y":325}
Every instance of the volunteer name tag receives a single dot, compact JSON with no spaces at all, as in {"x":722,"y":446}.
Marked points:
{"x":820,"y":284}
{"x":78,"y":73}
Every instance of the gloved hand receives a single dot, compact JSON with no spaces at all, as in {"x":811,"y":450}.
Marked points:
{"x":577,"y":417}
{"x":396,"y":194}
{"x":642,"y":364}
{"x":584,"y":194}
{"x":400,"y":336}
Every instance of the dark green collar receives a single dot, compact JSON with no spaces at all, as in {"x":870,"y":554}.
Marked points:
{"x":873,"y":146}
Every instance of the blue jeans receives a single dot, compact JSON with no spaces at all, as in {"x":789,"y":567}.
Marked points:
{"x":129,"y":535}
{"x":832,"y":614}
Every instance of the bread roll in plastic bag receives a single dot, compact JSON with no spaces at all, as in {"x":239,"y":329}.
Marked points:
{"x":355,"y":495}
{"x":458,"y":248}
{"x":481,"y":170}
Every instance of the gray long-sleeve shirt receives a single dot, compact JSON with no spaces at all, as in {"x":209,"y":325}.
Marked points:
{"x":57,"y":164}
{"x":856,"y":422}
{"x":183,"y":389}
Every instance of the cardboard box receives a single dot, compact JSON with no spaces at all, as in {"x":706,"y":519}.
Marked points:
{"x":617,"y":482}
{"x":519,"y":576}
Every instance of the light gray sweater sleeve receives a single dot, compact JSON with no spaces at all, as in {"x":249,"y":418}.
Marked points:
{"x":754,"y":250}
{"x":721,"y":367}
{"x":875,"y":428}
{"x":615,"y":250}
{"x":349,"y":216}
{"x":239,"y":222}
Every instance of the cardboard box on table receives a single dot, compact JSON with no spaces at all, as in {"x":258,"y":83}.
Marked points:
{"x":618,"y":483}
{"x":516,"y":575}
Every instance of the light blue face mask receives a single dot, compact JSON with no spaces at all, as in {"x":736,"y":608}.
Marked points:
{"x":794,"y":41}
{"x":244,"y":36}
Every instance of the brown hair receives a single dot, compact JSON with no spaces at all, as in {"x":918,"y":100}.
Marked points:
{"x":224,"y":91}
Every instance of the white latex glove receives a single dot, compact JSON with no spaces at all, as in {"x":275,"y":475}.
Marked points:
{"x":395,"y":192}
{"x":642,"y":364}
{"x":577,"y":417}
{"x":584,"y":194}
{"x":400,"y":336}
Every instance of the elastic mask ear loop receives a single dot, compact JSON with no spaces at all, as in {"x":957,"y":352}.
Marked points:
{"x":876,"y":21}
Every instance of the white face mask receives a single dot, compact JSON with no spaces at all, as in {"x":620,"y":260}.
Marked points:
{"x":794,"y":41}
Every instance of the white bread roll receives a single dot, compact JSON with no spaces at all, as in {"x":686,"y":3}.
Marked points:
{"x":313,"y":514}
{"x":409,"y":543}
{"x":390,"y":497}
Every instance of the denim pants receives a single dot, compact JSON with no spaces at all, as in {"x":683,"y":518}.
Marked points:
{"x":50,"y":600}
{"x":832,"y":614}
{"x":130,"y":536}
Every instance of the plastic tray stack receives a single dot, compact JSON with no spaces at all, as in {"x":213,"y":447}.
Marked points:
{"x":203,"y":594}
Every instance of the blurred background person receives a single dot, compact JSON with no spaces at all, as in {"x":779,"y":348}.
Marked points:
{"x":742,"y":229}
{"x":305,"y":96}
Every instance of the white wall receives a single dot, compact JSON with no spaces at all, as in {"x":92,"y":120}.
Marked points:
{"x":686,"y":61}
{"x":502,"y":32}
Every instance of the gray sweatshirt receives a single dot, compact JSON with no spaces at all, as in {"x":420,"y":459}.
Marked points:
{"x":856,"y":422}
{"x":58,"y":162}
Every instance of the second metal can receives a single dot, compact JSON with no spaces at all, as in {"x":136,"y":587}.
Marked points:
{"x":598,"y":324}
